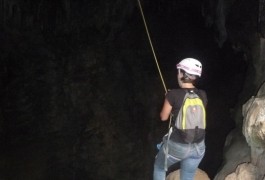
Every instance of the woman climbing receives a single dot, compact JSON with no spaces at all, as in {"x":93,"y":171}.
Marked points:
{"x":178,"y":145}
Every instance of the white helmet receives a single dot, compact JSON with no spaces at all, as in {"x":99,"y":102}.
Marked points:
{"x":191,"y":66}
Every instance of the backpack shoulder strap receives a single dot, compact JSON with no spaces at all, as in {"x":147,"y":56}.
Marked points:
{"x":202,"y":96}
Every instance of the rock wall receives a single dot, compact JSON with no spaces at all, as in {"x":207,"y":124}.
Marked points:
{"x":240,"y":151}
{"x":251,"y":167}
{"x":72,"y":102}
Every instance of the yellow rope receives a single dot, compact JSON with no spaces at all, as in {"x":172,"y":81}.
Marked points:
{"x":150,"y":41}
{"x":152,"y":45}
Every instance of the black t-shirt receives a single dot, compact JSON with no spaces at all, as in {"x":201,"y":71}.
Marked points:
{"x":175,"y":98}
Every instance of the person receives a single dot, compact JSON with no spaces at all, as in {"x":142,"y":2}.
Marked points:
{"x":189,"y":155}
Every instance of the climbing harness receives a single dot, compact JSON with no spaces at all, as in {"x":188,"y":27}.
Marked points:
{"x":150,"y":41}
{"x":166,"y":148}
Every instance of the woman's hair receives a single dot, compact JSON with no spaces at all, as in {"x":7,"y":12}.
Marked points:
{"x":188,"y":78}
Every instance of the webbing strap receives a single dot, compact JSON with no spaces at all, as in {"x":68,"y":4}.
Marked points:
{"x":166,"y":148}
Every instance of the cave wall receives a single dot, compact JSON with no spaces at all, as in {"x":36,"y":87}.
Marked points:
{"x":72,"y":91}
{"x":80,"y":93}
{"x":245,"y":32}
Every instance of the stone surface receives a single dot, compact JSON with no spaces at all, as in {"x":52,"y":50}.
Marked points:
{"x":236,"y":151}
{"x":243,"y":172}
{"x":200,"y":175}
{"x":261,"y":91}
{"x":254,"y":122}
{"x":254,"y":131}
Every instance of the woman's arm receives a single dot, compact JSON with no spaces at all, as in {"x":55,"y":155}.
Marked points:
{"x":165,"y":112}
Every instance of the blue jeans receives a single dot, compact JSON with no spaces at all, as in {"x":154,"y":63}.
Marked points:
{"x":189,"y":156}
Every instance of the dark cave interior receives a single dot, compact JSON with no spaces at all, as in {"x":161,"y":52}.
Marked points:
{"x":81,"y":94}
